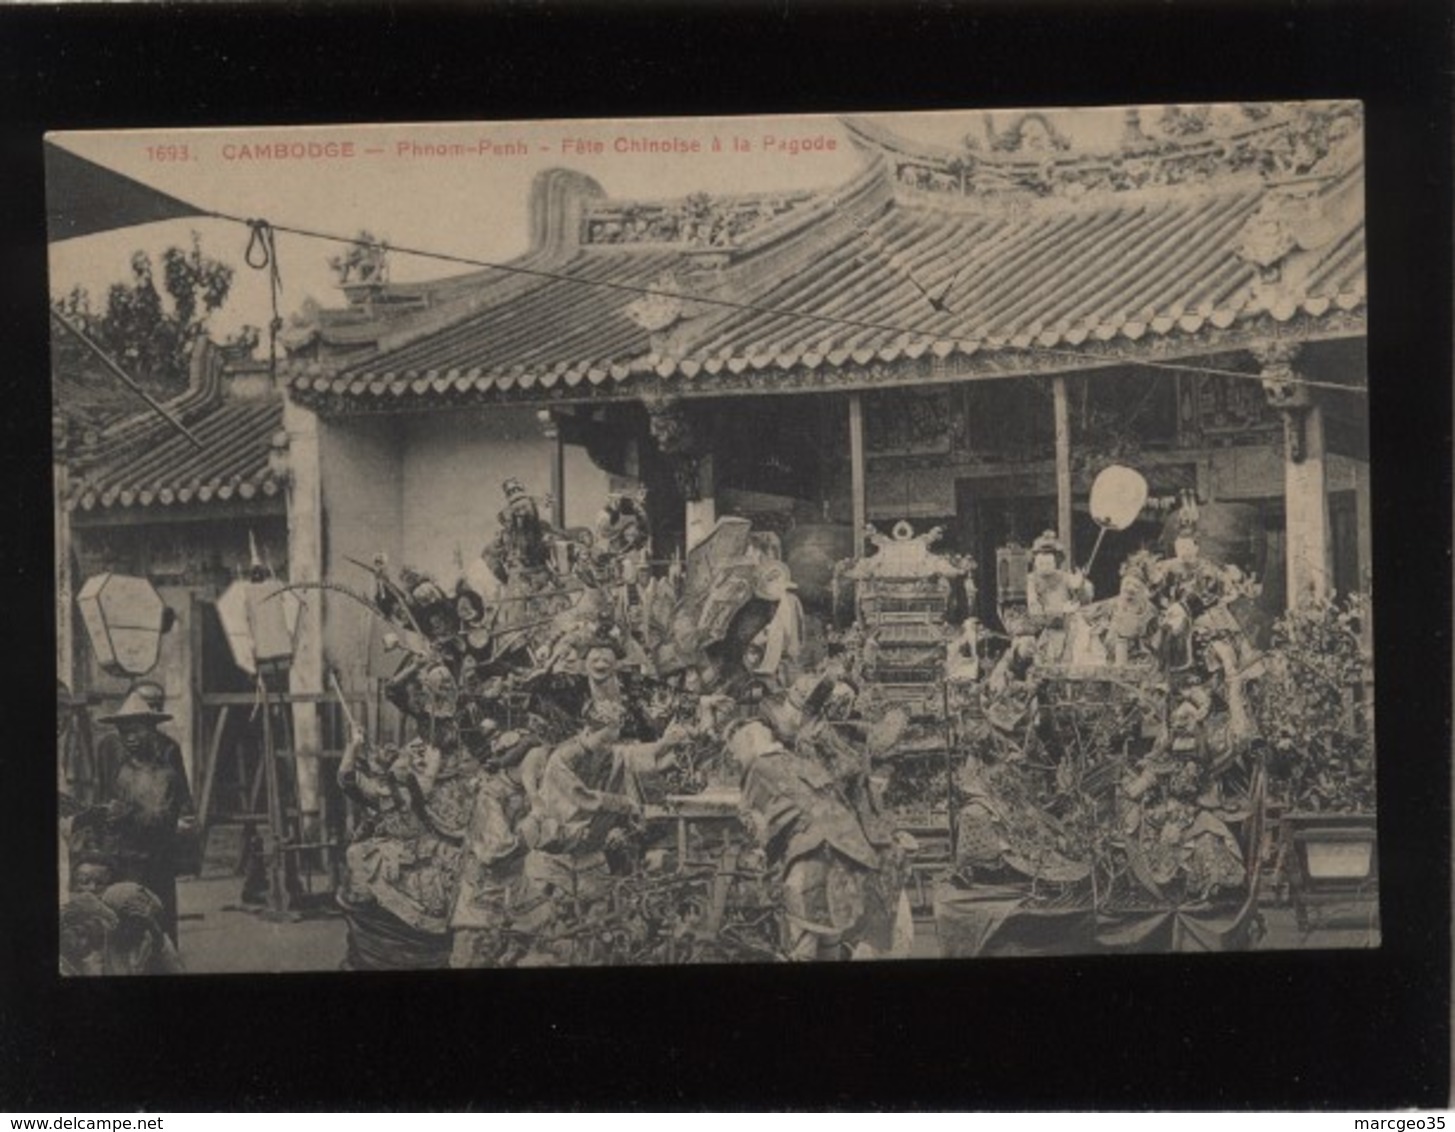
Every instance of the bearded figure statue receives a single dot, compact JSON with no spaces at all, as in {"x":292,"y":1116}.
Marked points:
{"x":523,"y":543}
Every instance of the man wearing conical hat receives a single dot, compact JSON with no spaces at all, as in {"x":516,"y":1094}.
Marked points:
{"x":146,"y":801}
{"x":110,"y":752}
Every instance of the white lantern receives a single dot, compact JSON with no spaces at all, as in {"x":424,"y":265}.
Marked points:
{"x":125,"y":618}
{"x":1118,"y":495}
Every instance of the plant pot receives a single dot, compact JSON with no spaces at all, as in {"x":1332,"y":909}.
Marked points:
{"x":1330,"y":858}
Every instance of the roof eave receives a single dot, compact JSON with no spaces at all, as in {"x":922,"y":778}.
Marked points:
{"x":1341,"y":317}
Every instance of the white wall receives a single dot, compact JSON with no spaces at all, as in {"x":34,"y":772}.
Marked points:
{"x":426,"y":489}
{"x":360,"y":468}
{"x":453,"y":467}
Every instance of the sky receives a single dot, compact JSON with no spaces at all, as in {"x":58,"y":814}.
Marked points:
{"x":471,"y":200}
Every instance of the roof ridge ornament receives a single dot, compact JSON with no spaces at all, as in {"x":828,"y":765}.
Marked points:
{"x":698,"y":220}
{"x":365,"y":262}
{"x":1031,"y":132}
{"x":1194,"y":146}
{"x":1304,"y":216}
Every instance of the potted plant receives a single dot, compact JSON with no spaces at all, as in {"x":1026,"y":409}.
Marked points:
{"x":1318,"y":729}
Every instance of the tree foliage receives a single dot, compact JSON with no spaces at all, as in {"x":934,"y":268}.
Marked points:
{"x":150,"y":323}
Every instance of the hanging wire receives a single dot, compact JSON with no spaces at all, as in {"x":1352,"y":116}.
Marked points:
{"x":731,"y":304}
{"x":262,"y":255}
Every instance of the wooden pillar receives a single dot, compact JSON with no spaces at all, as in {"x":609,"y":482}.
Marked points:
{"x":558,"y":479}
{"x":1363,"y":517}
{"x":304,"y":496}
{"x":1364,"y":521}
{"x":856,"y":471}
{"x":1305,"y":474}
{"x":552,"y":431}
{"x":1306,"y":504}
{"x":1063,"y":464}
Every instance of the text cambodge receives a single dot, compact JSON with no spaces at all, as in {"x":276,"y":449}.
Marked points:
{"x":287,"y":151}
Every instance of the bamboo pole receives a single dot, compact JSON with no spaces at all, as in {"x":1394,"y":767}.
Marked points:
{"x":278,"y":899}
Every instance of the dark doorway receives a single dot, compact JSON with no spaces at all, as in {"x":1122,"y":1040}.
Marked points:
{"x":987,"y":519}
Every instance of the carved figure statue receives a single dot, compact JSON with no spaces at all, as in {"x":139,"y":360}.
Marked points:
{"x":523,"y":543}
{"x":1052,"y":593}
{"x":1194,"y":596}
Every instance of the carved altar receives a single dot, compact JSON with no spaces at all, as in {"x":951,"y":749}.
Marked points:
{"x":904,"y":596}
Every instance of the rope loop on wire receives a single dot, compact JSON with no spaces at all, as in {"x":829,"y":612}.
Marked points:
{"x":261,"y":255}
{"x":260,"y":244}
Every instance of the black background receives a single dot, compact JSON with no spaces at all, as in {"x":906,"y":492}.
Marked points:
{"x":1349,"y":1030}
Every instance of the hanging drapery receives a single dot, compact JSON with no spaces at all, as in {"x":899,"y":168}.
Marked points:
{"x":83,"y":198}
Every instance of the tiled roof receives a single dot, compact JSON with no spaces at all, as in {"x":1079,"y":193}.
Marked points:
{"x":554,"y":331}
{"x":1054,"y":280}
{"x":135,"y":457}
{"x":909,"y":277}
{"x":160,"y":466}
{"x":82,"y":387}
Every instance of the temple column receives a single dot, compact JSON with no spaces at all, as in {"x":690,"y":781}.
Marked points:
{"x":304,"y":495}
{"x":1305,"y":477}
{"x":551,"y":430}
{"x":1364,"y":519}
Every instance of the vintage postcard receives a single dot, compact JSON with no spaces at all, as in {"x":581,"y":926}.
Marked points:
{"x":741,"y":540}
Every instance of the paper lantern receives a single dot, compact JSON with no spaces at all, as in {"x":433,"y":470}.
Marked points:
{"x":125,"y":618}
{"x":1118,"y":495}
{"x":261,"y":620}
